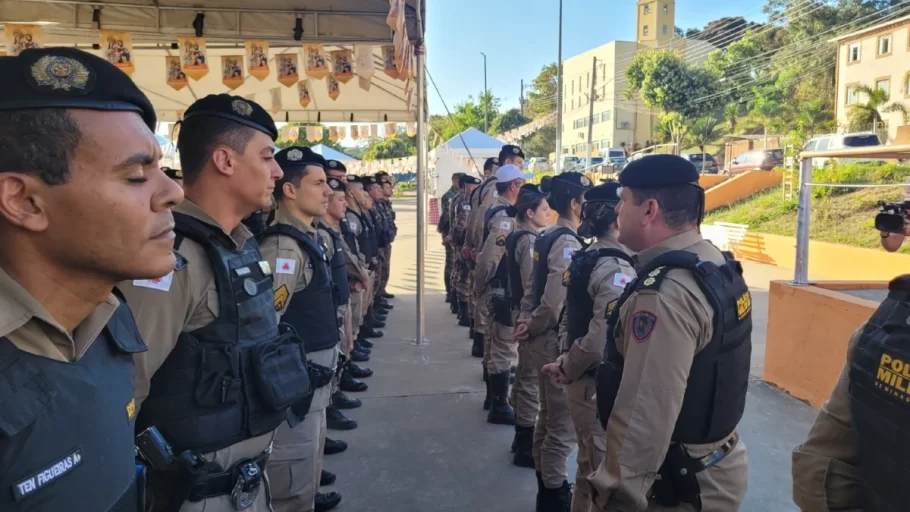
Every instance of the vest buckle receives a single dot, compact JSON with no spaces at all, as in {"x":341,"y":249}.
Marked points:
{"x":248,"y":480}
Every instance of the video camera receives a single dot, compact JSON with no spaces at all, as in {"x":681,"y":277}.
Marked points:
{"x":891,"y":218}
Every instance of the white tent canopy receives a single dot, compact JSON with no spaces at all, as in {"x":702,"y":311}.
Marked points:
{"x":454,"y":156}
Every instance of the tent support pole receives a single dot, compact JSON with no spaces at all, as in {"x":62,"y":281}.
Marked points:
{"x":419,"y":50}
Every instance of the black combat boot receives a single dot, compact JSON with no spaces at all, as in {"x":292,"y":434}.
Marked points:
{"x":477,"y":347}
{"x":540,"y":491}
{"x":359,"y":372}
{"x":327,"y":478}
{"x":448,"y":294}
{"x":385,"y":303}
{"x":364,"y":342}
{"x":501,"y":413}
{"x":524,"y":446}
{"x":387,"y":295}
{"x":368,"y":332}
{"x":453,"y":302}
{"x":350,"y":384}
{"x":556,"y":500}
{"x":463,"y":319}
{"x":359,"y":357}
{"x":372,"y":322}
{"x":332,"y":447}
{"x":335,"y":420}
{"x":326,"y":501}
{"x":488,"y":400}
{"x":342,"y":401}
{"x":361,"y":348}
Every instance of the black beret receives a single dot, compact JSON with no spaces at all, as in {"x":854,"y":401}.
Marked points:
{"x":568,"y":180}
{"x":467,"y":179}
{"x":658,"y":171}
{"x":298,"y":157}
{"x":61,"y":77}
{"x":490,"y":163}
{"x":174,"y":174}
{"x":352,"y":178}
{"x":384,"y":179}
{"x":605,"y":192}
{"x":370,"y":180}
{"x":337,"y":185}
{"x":531,"y":188}
{"x":510,"y":151}
{"x":457,"y":175}
{"x":234,"y":108}
{"x":335,"y":165}
{"x":380,"y":174}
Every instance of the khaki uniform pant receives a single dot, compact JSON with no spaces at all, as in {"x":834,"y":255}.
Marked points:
{"x":295,"y":466}
{"x":472,"y":303}
{"x":356,"y":313}
{"x":347,"y":343}
{"x":525,"y":389}
{"x":592,"y":440}
{"x":499,"y":352}
{"x":554,"y":435}
{"x":386,"y":264}
{"x":482,"y":319}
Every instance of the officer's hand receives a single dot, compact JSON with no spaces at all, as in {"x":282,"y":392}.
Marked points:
{"x":358,"y":286}
{"x":521,"y":332}
{"x":466,"y":252}
{"x":551,"y":369}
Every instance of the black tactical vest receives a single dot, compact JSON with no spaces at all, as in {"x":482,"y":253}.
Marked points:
{"x":542,"y":247}
{"x":348,"y":236}
{"x":510,"y":212}
{"x":382,"y":232}
{"x":513,"y":267}
{"x":310,"y":313}
{"x":66,"y":429}
{"x":367,"y":237}
{"x":339,"y":270}
{"x":579,"y":304}
{"x":233,"y":379}
{"x":715,"y":395}
{"x":879,"y":395}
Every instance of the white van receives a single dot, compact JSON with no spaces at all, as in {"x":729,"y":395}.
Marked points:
{"x":835,"y":141}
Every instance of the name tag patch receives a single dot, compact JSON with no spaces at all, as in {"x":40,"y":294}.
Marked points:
{"x":161,"y":283}
{"x":50,"y":474}
{"x":285,"y":266}
{"x":743,"y":305}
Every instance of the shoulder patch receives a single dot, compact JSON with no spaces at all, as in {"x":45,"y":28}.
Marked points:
{"x":505,"y":224}
{"x":466,"y":207}
{"x":643,"y":323}
{"x":281,"y":297}
{"x":160,"y":283}
{"x":181,"y":261}
{"x":285,"y":265}
{"x":620,"y":280}
{"x":501,"y":240}
{"x":611,"y":305}
{"x":567,"y":252}
{"x":566,"y":277}
{"x":653,"y":279}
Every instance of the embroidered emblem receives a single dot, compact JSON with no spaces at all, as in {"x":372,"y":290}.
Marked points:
{"x":516,"y":150}
{"x":265,"y":267}
{"x":281,"y":297}
{"x":50,"y":474}
{"x":643,"y":323}
{"x":505,"y":224}
{"x":566,"y":276}
{"x":743,"y":305}
{"x":249,"y":286}
{"x":333,"y":164}
{"x":131,"y":410}
{"x":649,"y":281}
{"x":285,"y":266}
{"x":611,"y":306}
{"x":567,"y":252}
{"x":501,"y":241}
{"x":295,"y":155}
{"x":160,"y":283}
{"x":655,"y":272}
{"x":242,"y":108}
{"x":621,"y":280}
{"x":60,"y":73}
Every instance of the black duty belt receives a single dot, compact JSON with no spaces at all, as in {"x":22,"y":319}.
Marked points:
{"x":703,"y":463}
{"x":242,"y":481}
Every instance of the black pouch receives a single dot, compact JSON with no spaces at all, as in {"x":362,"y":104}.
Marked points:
{"x":217,"y":382}
{"x":281,"y":371}
{"x":677,"y":483}
{"x":319,"y":375}
{"x":609,"y":376}
{"x":502,"y":307}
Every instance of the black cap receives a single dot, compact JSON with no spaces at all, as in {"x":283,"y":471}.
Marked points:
{"x":370,"y":180}
{"x":510,"y":151}
{"x":467,"y":179}
{"x":381,"y":174}
{"x":61,"y":77}
{"x":607,"y":192}
{"x":457,"y":175}
{"x":531,"y":188}
{"x":335,"y":165}
{"x":234,"y":108}
{"x":658,"y":171}
{"x":296,"y":156}
{"x":570,"y":180}
{"x":336,"y":184}
{"x":490,"y":163}
{"x":352,"y":178}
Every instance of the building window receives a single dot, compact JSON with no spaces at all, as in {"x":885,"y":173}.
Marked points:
{"x":605,"y":143}
{"x":647,"y":10}
{"x":573,"y":86}
{"x":884,"y":45}
{"x":884,"y":85}
{"x":595,"y":120}
{"x":907,"y":85}
{"x":666,"y":9}
{"x":644,"y":30}
{"x":664,"y":30}
{"x":605,"y":116}
{"x":573,"y":103}
{"x":566,"y":150}
{"x":853,"y":52}
{"x":851,"y":95}
{"x":588,"y":80}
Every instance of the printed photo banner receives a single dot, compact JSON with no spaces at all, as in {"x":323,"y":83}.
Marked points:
{"x":257,"y":57}
{"x":355,"y":132}
{"x":396,"y":16}
{"x":374,"y":131}
{"x":388,"y":61}
{"x":333,"y":133}
{"x":287,"y":69}
{"x":363,"y":60}
{"x":294,"y":134}
{"x":176,"y":78}
{"x":232,"y":71}
{"x":275,"y":94}
{"x":333,"y":87}
{"x":303,"y":93}
{"x":365,"y":83}
{"x":193,"y":57}
{"x":343,"y":68}
{"x":21,"y":37}
{"x":317,"y":65}
{"x":117,"y":48}
{"x":342,"y":132}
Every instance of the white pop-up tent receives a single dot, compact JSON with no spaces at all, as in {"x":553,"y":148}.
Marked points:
{"x":455,"y":155}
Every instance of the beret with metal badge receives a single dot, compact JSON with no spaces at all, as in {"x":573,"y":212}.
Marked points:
{"x":299,"y":157}
{"x":658,"y":171}
{"x":337,"y":185}
{"x":335,"y":165}
{"x":510,"y":150}
{"x":234,"y":108}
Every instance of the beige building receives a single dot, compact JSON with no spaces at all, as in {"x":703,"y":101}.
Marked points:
{"x":618,"y":122}
{"x":878,"y":57}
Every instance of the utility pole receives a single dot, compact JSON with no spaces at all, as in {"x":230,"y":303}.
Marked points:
{"x":591,"y":97}
{"x":486,"y":114}
{"x":559,"y":92}
{"x":521,"y":97}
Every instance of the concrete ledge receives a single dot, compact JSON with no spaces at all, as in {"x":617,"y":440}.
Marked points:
{"x":808,"y":331}
{"x":739,"y":187}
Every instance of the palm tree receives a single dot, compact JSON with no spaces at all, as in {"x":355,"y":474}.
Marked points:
{"x":662,"y":133}
{"x":731,"y":116}
{"x":870,"y":112}
{"x":766,"y":112}
{"x":815,"y":117}
{"x":704,"y":131}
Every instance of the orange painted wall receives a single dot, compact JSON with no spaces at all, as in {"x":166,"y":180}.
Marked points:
{"x":740,"y":187}
{"x":710,"y":180}
{"x":808,"y":331}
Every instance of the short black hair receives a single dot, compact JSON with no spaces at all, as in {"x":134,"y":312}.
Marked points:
{"x":680,"y":203}
{"x":561,"y":200}
{"x":198,"y":137}
{"x":503,"y":186}
{"x":40,"y":142}
{"x":293,"y":175}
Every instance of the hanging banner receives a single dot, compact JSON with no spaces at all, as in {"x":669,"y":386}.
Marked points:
{"x":343,"y":69}
{"x":318,"y":133}
{"x":396,"y":16}
{"x":117,"y":48}
{"x":334,"y":87}
{"x":374,"y":131}
{"x":287,"y":69}
{"x":257,"y":56}
{"x":399,"y":41}
{"x":21,"y":37}
{"x":389,"y":129}
{"x":303,"y":93}
{"x":275,"y":94}
{"x":333,"y":133}
{"x":175,"y":128}
{"x":283,"y":135}
{"x":355,"y":132}
{"x":363,"y":59}
{"x":176,"y":78}
{"x":388,"y":61}
{"x":294,"y":134}
{"x":342,"y":132}
{"x":193,"y":57}
{"x":412,"y":128}
{"x":232,"y":71}
{"x":310,"y":136}
{"x":317,"y":66}
{"x":365,"y":83}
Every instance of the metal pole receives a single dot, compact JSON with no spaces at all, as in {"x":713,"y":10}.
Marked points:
{"x":803,"y":218}
{"x":486,"y":117}
{"x":591,"y":99}
{"x":420,"y":51}
{"x":559,"y":97}
{"x":521,"y":97}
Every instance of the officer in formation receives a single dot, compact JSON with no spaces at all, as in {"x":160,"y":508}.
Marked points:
{"x":473,"y":241}
{"x":538,"y":325}
{"x":444,"y":228}
{"x":490,"y":282}
{"x":855,"y":457}
{"x":82,"y":207}
{"x":383,"y":225}
{"x":461,"y":209}
{"x":384,"y":203}
{"x":672,"y":386}
{"x":596,"y":279}
{"x":364,"y":230}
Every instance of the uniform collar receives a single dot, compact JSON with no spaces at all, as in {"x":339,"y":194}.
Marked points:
{"x":240,"y":235}
{"x":608,"y":243}
{"x":674,"y":243}
{"x":565,"y":223}
{"x":501,"y":201}
{"x":18,"y":307}
{"x":283,"y":217}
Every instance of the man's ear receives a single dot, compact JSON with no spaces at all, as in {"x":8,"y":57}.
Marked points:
{"x":224,"y":159}
{"x":289,"y":190}
{"x":21,"y":202}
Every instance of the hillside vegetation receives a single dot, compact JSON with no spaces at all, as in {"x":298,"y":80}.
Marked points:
{"x":844,"y":216}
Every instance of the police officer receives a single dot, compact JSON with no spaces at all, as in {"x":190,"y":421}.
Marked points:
{"x":461,"y":209}
{"x":554,"y":434}
{"x":362,"y":227}
{"x":596,"y":279}
{"x":490,"y":281}
{"x":672,"y":387}
{"x":383,"y":227}
{"x":385,"y":204}
{"x":215,"y":310}
{"x":81,"y":208}
{"x":855,"y":457}
{"x":475,"y":230}
{"x":532,"y":215}
{"x":444,"y":228}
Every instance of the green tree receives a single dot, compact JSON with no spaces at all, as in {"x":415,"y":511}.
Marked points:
{"x":815,"y":117}
{"x":765,"y":111}
{"x":467,"y":114}
{"x":540,"y":143}
{"x":731,"y":116}
{"x":666,"y":83}
{"x":399,"y":145}
{"x":508,"y":120}
{"x":869,"y":112}
{"x":542,"y":93}
{"x":705,"y":130}
{"x":677,"y":126}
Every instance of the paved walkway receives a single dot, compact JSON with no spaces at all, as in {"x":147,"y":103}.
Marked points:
{"x":423,"y":444}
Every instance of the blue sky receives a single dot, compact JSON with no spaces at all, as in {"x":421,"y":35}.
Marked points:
{"x":520,"y":36}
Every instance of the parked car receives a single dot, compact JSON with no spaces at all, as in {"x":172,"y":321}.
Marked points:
{"x":835,"y":141}
{"x":537,"y":164}
{"x":583,"y":163}
{"x":706,"y":166}
{"x":756,"y":160}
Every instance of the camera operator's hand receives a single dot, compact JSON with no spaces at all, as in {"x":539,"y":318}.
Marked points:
{"x":893,"y":241}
